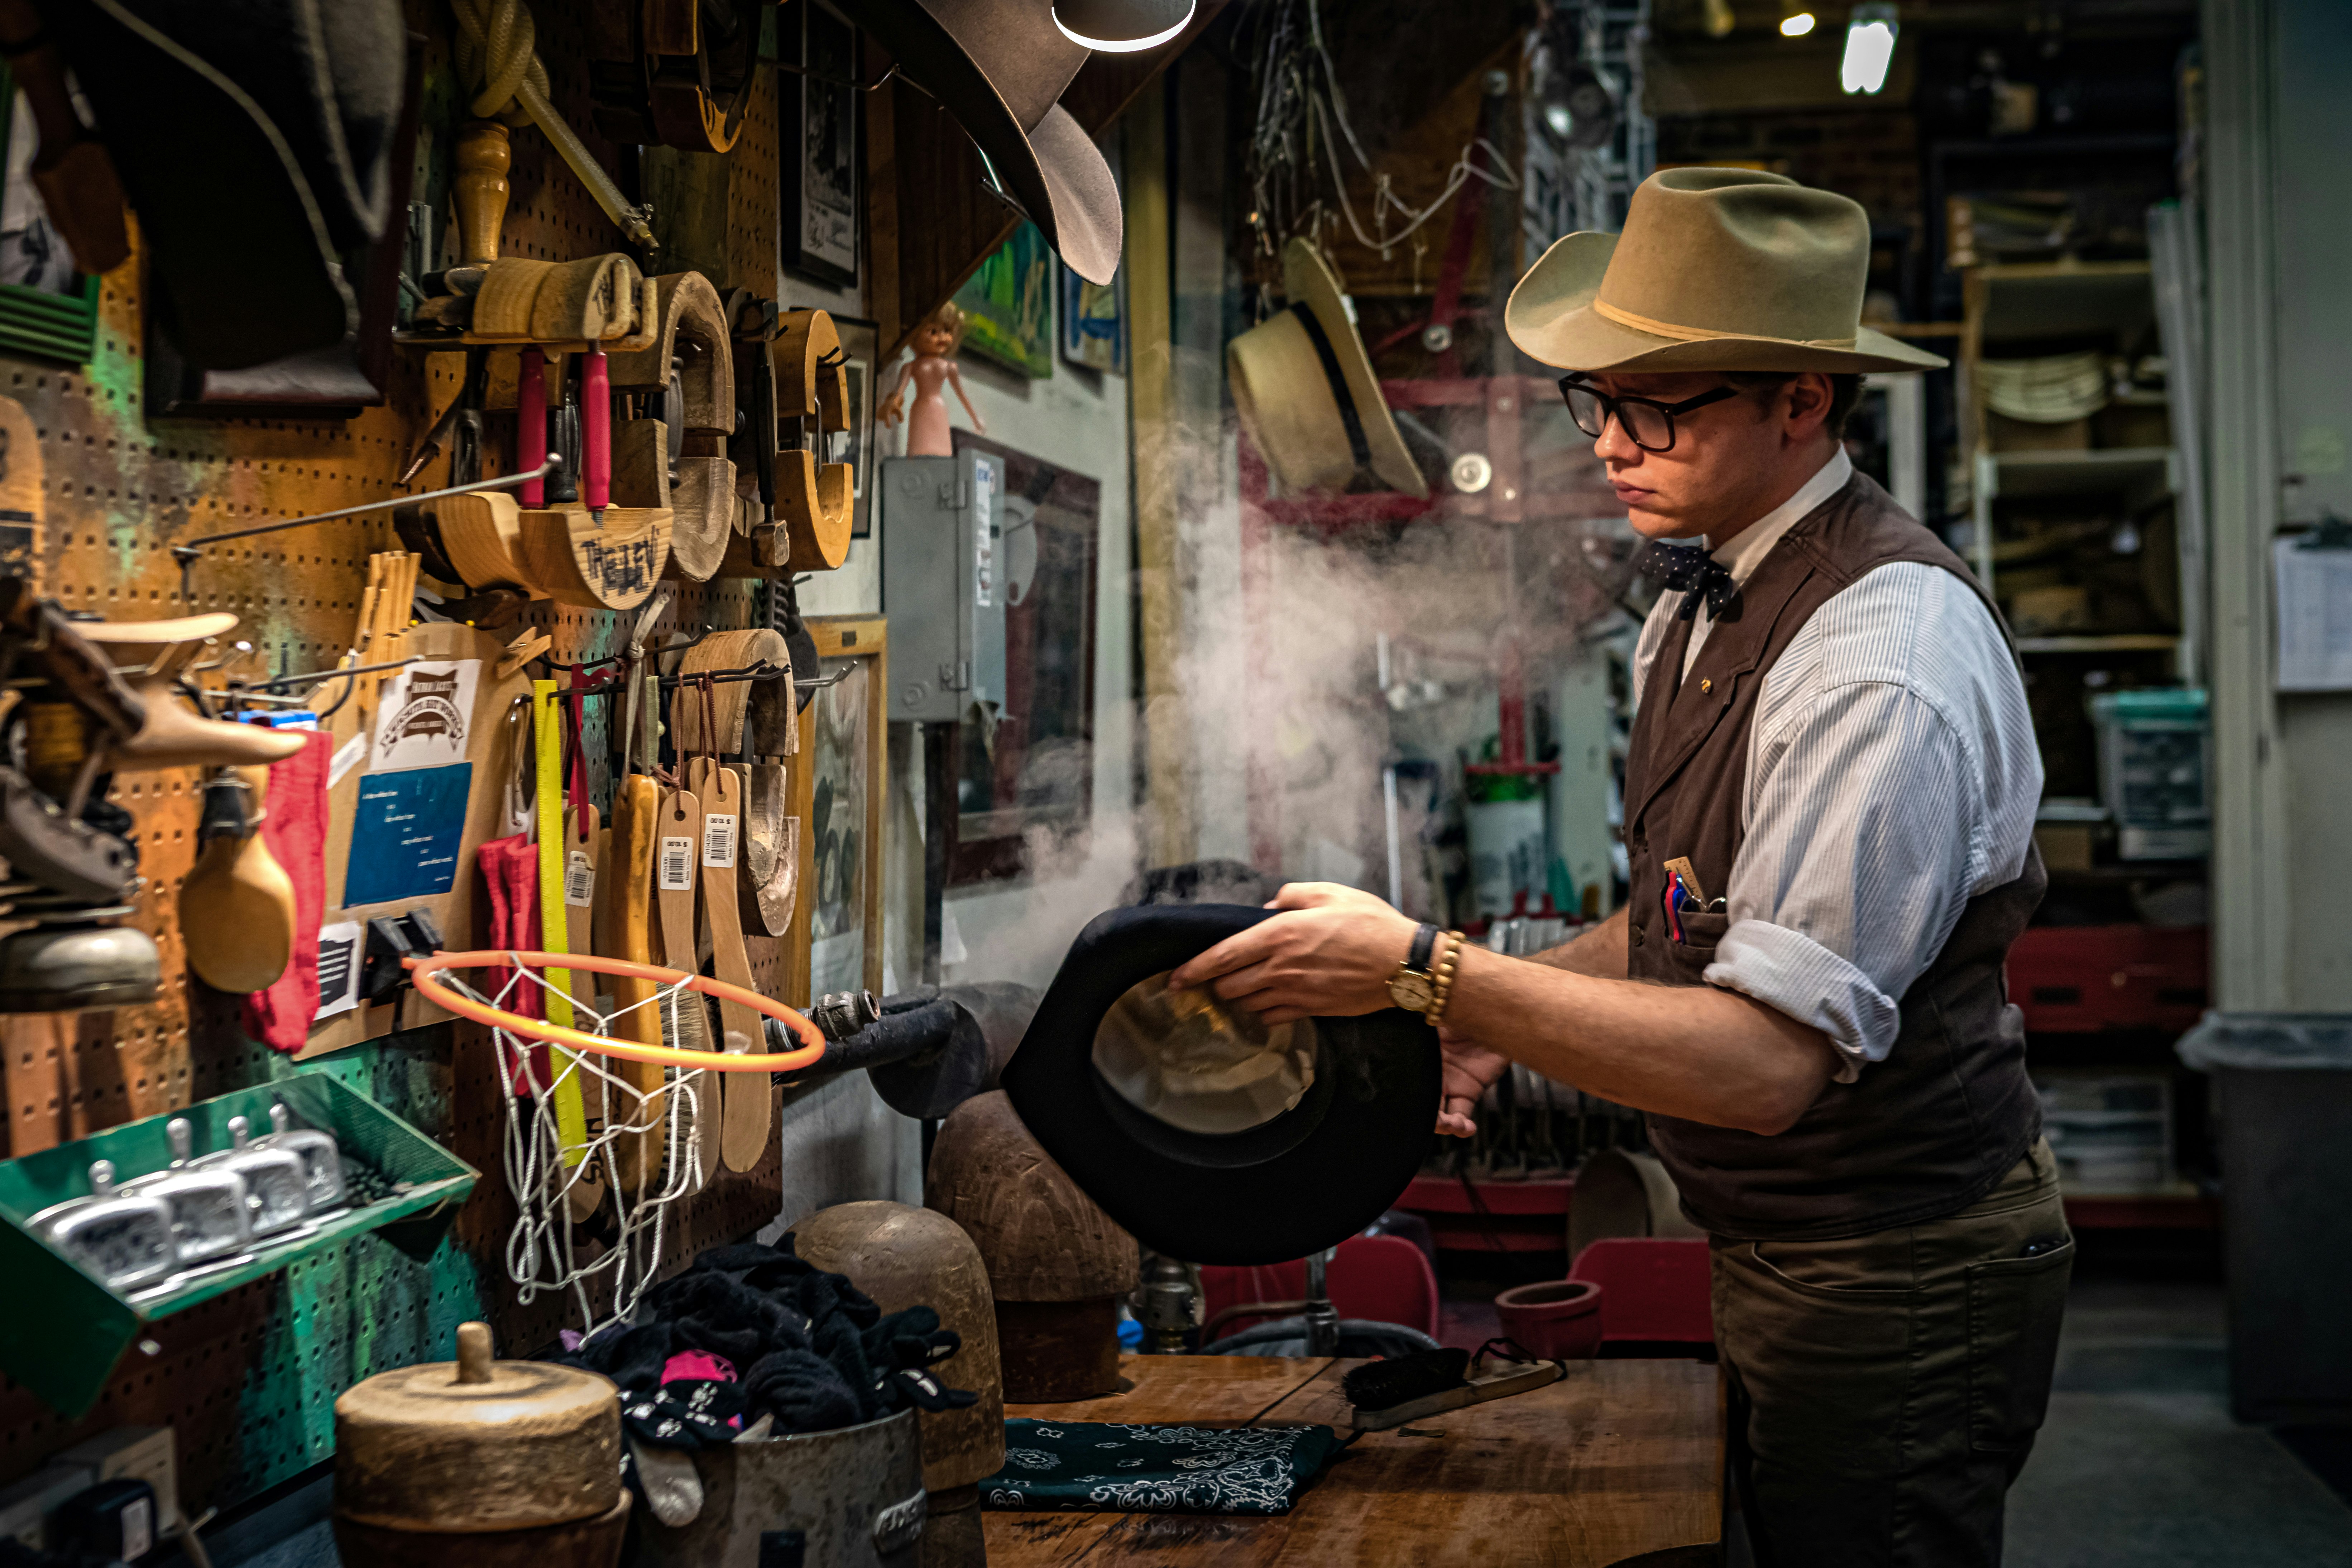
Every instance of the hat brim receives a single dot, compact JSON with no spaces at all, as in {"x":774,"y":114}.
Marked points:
{"x":1306,"y":278}
{"x":1307,"y":1180}
{"x":1551,"y":319}
{"x":1053,"y":171}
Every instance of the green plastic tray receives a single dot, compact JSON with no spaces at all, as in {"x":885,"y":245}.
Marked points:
{"x":62,"y":1329}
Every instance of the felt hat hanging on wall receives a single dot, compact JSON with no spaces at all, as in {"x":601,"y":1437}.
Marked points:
{"x":254,"y":139}
{"x":1716,"y":270}
{"x":998,"y":65}
{"x":1306,"y":391}
{"x":1206,"y":1134}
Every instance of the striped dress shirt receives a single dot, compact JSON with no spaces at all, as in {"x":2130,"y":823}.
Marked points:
{"x":1891,"y":777}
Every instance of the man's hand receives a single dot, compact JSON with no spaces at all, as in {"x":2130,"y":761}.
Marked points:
{"x":1328,"y":953}
{"x":1468,"y":1070}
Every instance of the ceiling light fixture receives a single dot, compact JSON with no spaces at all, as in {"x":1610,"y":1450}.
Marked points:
{"x":1869,"y":48}
{"x":1798,"y":25}
{"x":1121,"y":26}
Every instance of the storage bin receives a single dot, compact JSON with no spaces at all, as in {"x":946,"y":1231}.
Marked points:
{"x":2089,"y":979}
{"x":2110,"y":1132}
{"x":2155,"y":764}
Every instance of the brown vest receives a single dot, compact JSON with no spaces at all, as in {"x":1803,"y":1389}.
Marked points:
{"x":1931,"y":1128}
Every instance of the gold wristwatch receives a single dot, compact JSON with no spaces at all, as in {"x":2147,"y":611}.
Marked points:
{"x":1420,"y":985}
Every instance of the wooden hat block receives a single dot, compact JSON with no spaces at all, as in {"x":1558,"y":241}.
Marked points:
{"x":480,"y":1462}
{"x":903,"y":1258}
{"x":693,"y":333}
{"x":815,"y":501}
{"x":481,"y":533}
{"x":612,"y":564}
{"x":1057,"y":1265}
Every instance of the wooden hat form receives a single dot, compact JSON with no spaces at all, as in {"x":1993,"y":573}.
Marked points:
{"x":694,"y":331}
{"x":1056,"y":1263}
{"x":814,"y":503}
{"x":905,"y":1257}
{"x":481,"y":533}
{"x":478,"y":1444}
{"x":571,"y":556}
{"x":767,"y":703}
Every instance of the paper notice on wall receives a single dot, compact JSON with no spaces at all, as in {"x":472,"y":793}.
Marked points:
{"x":342,"y":948}
{"x":423,"y":715}
{"x":2315,"y":618}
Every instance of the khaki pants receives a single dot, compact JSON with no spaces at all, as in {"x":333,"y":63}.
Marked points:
{"x":1886,"y":1388}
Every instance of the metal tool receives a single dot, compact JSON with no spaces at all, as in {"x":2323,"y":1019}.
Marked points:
{"x":212,"y":1210}
{"x":276,"y":1184}
{"x":322,"y":1157}
{"x":124,"y":1238}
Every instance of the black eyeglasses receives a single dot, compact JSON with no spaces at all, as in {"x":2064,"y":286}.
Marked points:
{"x":1647,"y":422}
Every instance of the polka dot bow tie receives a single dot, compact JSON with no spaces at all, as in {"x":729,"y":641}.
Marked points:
{"x":1690,"y":570}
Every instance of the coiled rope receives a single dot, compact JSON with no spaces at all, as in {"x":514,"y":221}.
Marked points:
{"x":496,"y":48}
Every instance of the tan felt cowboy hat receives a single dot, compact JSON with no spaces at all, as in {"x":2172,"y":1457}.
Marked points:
{"x":1718,"y":270}
{"x":1306,"y":392}
{"x":998,"y":65}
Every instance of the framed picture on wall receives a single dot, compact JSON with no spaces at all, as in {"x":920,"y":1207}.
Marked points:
{"x":838,"y":788}
{"x":1008,"y":305}
{"x":859,"y":341}
{"x":818,"y":147}
{"x":1094,"y":323}
{"x":1024,"y":774}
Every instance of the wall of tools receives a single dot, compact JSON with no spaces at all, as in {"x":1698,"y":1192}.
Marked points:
{"x":248,"y":1378}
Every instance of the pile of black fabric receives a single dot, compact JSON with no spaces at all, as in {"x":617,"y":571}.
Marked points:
{"x":807,"y":1348}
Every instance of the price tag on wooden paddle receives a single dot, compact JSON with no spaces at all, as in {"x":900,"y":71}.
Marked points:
{"x":746,"y":1101}
{"x":718,"y":838}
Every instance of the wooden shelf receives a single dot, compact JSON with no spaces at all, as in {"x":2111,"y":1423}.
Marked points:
{"x":2025,"y":476}
{"x":2122,"y":642}
{"x":2064,"y":300}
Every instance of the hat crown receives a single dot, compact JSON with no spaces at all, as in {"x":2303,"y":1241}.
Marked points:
{"x":1738,"y":250}
{"x":1026,"y":58}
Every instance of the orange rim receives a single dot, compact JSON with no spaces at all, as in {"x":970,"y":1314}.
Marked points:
{"x":426,"y":972}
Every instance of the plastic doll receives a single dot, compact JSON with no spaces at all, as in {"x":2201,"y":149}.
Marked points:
{"x":932,"y":370}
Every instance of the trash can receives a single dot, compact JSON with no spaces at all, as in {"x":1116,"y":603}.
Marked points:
{"x":2282,"y":1092}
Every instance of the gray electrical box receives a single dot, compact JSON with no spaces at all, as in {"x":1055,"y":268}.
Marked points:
{"x":943,"y":584}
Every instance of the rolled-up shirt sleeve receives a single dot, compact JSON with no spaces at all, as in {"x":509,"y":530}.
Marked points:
{"x":1865,"y":838}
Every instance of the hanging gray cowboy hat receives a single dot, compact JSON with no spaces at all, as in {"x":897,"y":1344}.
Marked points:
{"x":998,"y":66}
{"x":1716,"y":270}
{"x":256,"y":140}
{"x":1305,"y":389}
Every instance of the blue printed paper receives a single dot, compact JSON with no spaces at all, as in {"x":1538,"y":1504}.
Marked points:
{"x":406,"y":835}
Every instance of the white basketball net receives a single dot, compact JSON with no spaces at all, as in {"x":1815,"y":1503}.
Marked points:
{"x":543,"y":1249}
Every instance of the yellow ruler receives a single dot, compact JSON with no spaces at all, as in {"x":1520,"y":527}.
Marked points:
{"x":547,"y":729}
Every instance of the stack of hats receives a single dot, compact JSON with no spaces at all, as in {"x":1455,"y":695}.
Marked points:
{"x":2049,"y":390}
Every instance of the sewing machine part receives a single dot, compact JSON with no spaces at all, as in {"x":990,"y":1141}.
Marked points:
{"x":322,"y":1157}
{"x":278,"y":1189}
{"x":123,"y":1238}
{"x":212,"y":1210}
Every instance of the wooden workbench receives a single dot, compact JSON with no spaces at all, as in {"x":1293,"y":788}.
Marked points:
{"x":1620,"y":1461}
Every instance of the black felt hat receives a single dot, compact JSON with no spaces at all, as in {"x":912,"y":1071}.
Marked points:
{"x":1305,"y":1179}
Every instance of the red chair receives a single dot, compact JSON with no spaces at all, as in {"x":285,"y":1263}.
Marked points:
{"x":1382,"y":1278}
{"x":1655,"y":1294}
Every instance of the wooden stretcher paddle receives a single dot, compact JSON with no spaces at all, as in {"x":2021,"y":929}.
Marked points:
{"x":628,"y":882}
{"x":747,"y":1099}
{"x":677,"y":855}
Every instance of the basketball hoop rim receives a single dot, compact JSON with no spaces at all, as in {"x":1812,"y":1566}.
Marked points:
{"x":424,"y":973}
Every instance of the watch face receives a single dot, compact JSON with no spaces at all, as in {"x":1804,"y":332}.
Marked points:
{"x":1411,"y":992}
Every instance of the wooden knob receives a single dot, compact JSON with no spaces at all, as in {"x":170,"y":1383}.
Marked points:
{"x":483,"y":158}
{"x":474,"y":1347}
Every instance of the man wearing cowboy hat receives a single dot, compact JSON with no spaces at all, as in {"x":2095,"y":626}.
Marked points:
{"x":1830,"y":796}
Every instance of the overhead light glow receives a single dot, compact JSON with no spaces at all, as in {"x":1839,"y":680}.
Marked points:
{"x":1798,"y":25}
{"x":1561,"y":121}
{"x":1869,"y":48}
{"x":1121,"y":26}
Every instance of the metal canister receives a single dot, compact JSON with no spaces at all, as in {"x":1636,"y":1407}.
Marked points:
{"x":856,"y":1496}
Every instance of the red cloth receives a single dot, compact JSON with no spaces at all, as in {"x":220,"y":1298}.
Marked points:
{"x":510,"y":868}
{"x":294,"y":831}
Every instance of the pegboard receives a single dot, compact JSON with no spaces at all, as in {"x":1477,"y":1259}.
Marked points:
{"x":249,"y":1380}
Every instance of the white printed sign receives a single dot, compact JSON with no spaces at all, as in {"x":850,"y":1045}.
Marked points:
{"x":425,"y":717}
{"x":342,"y":948}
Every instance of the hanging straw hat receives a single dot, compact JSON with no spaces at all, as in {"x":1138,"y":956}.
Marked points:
{"x":1718,"y":270}
{"x":998,"y":66}
{"x":1306,"y":392}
